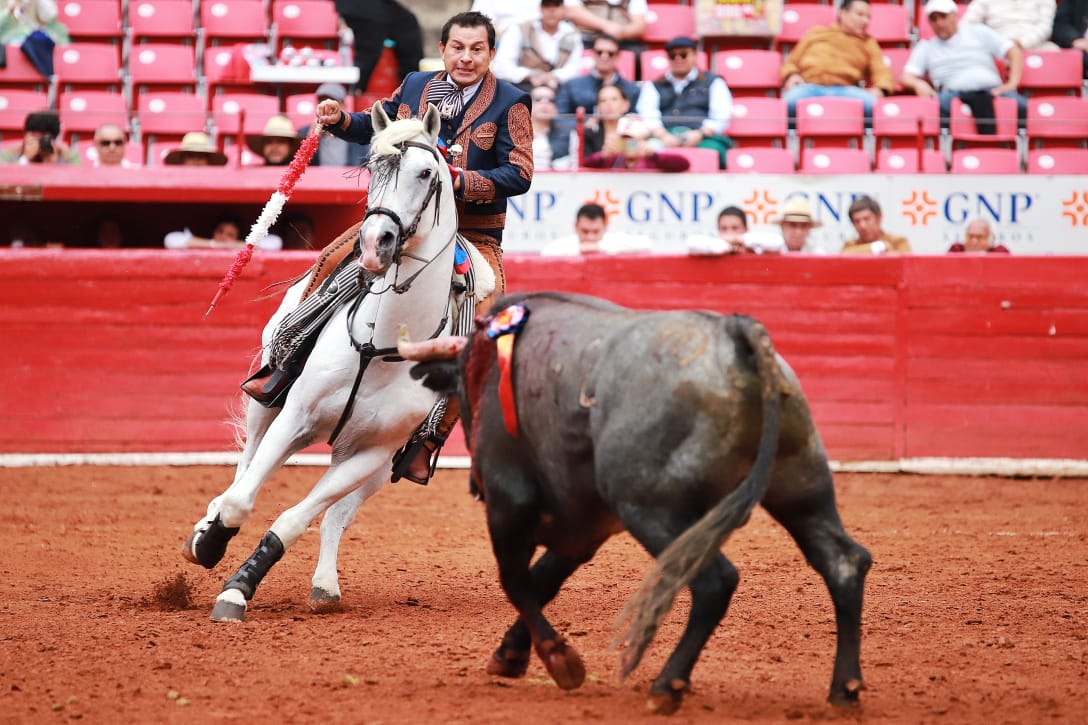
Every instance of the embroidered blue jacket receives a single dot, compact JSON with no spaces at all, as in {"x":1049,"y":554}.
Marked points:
{"x":496,"y":139}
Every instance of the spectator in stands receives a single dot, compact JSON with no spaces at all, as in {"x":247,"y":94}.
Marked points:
{"x":959,"y":62}
{"x":22,"y":17}
{"x":371,"y":23}
{"x":226,"y":234}
{"x":1028,"y":23}
{"x":979,"y":238}
{"x":333,"y":151}
{"x":866,"y":217}
{"x":551,"y":144}
{"x":277,"y":143}
{"x":1071,"y":27}
{"x":796,"y":222}
{"x":196,"y":149}
{"x":542,"y":52}
{"x":630,"y":151}
{"x":591,"y":236}
{"x":505,"y":14}
{"x":622,"y":19}
{"x":696,"y":105}
{"x":581,"y":92}
{"x":109,"y":147}
{"x":735,"y":238}
{"x":602,"y":129}
{"x":41,"y":142}
{"x":838,"y":60}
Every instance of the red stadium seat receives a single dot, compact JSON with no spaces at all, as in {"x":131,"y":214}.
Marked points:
{"x":701,"y":160}
{"x":1052,"y":73}
{"x":21,"y":73}
{"x":750,"y":72}
{"x":896,"y":59}
{"x":15,"y":104}
{"x":300,"y":107}
{"x":833,"y":160}
{"x":759,"y":160}
{"x":890,"y":24}
{"x":655,"y":62}
{"x":905,"y":161}
{"x":1057,"y":121}
{"x":169,"y":115}
{"x":228,"y":110}
{"x":759,"y":121}
{"x":306,"y":23}
{"x":797,"y":19}
{"x":666,"y":21}
{"x":95,"y":20}
{"x":233,"y":21}
{"x":161,"y":66}
{"x":81,"y":112}
{"x":985,"y":161}
{"x":964,"y":131}
{"x":1059,"y":161}
{"x":896,"y":121}
{"x":830,"y":121}
{"x":160,"y":20}
{"x":87,"y":66}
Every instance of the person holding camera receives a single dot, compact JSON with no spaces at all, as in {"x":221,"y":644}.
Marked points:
{"x":41,"y":142}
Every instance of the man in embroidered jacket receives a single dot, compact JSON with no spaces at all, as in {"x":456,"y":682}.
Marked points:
{"x":487,"y":128}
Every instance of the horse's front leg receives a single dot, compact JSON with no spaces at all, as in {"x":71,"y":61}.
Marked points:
{"x":365,"y":471}
{"x":325,"y":585}
{"x":207,"y":544}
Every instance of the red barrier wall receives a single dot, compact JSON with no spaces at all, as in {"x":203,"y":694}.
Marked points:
{"x":900,"y":357}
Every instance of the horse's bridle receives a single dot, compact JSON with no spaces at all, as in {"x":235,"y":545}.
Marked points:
{"x":406,"y":232}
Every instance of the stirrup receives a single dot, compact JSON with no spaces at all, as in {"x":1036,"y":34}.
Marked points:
{"x":403,"y":459}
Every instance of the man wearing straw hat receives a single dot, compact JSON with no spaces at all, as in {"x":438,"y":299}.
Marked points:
{"x":277,"y":143}
{"x":796,"y":222}
{"x":196,"y":149}
{"x":487,"y":130}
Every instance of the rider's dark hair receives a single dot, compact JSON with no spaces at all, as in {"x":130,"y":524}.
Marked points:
{"x":470,"y":19}
{"x":590,"y":211}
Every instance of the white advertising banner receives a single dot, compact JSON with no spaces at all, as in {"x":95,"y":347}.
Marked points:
{"x":1030,"y":214}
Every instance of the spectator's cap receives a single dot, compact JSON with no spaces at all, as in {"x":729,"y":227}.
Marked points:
{"x":335,"y":91}
{"x":632,"y":127}
{"x":797,"y":210}
{"x":551,"y":2}
{"x":196,"y":142}
{"x":276,"y":127}
{"x":683,"y":41}
{"x":943,"y":7}
{"x":47,"y":122}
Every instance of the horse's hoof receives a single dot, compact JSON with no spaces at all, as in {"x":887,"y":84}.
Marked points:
{"x":667,"y":701}
{"x":187,"y":549}
{"x":322,"y":602}
{"x":207,"y":547}
{"x":847,"y":694}
{"x":564,"y":664}
{"x":508,"y":663}
{"x":230,"y":606}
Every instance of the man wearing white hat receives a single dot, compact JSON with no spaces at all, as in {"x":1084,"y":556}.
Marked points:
{"x":196,"y":149}
{"x":959,"y":62}
{"x":796,"y":222}
{"x":277,"y":144}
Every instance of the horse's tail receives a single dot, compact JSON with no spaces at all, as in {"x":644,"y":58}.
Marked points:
{"x":697,"y":547}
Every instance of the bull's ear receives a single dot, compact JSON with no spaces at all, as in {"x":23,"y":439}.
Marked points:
{"x":379,"y":117}
{"x":440,"y":376}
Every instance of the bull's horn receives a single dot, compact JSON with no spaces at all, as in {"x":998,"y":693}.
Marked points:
{"x":439,"y":348}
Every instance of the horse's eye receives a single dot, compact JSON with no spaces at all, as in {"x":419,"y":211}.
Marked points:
{"x":425,"y":174}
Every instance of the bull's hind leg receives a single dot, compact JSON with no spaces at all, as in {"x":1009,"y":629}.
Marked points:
{"x":842,"y":563}
{"x":711,"y":591}
{"x":549,"y":572}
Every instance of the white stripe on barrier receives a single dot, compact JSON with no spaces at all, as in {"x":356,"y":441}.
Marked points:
{"x":1030,"y":467}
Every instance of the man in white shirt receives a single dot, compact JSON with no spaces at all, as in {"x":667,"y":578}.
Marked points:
{"x":592,"y":237}
{"x":542,"y":52}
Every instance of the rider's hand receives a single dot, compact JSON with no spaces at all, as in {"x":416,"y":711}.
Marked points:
{"x":328,"y":112}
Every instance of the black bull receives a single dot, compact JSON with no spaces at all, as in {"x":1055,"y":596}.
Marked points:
{"x":670,"y":425}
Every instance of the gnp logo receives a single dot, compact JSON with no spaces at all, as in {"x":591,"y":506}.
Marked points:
{"x":1075,"y":209}
{"x":1007,"y":207}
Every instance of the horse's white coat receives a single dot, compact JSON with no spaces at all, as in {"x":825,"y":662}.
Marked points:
{"x":389,"y":404}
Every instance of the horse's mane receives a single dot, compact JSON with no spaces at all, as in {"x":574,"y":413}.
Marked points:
{"x":386,"y":142}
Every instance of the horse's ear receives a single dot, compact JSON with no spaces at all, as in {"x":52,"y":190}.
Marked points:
{"x":379,"y":117}
{"x":432,"y":122}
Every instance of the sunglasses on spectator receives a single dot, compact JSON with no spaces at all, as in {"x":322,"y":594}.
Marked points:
{"x":605,"y":53}
{"x":111,"y":142}
{"x":678,"y":54}
{"x":539,"y":99}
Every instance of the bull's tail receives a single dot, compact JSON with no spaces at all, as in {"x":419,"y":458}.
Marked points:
{"x":698,"y":546}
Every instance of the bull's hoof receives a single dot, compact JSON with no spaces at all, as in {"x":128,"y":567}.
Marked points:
{"x":667,"y":700}
{"x":508,"y":663}
{"x":230,"y":606}
{"x":324,"y":602}
{"x":847,"y":694}
{"x":563,"y":663}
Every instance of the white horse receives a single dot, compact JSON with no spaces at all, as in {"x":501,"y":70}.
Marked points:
{"x":407,"y":239}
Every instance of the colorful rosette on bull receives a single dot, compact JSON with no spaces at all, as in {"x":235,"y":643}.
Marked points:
{"x":507,"y":321}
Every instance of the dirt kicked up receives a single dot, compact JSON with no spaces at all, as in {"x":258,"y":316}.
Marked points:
{"x":976,"y":610}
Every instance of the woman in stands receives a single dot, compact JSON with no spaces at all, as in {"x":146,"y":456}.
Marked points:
{"x":602,"y":128}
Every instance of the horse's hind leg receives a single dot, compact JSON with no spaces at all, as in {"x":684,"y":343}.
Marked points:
{"x":325,"y":586}
{"x":842,"y":563}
